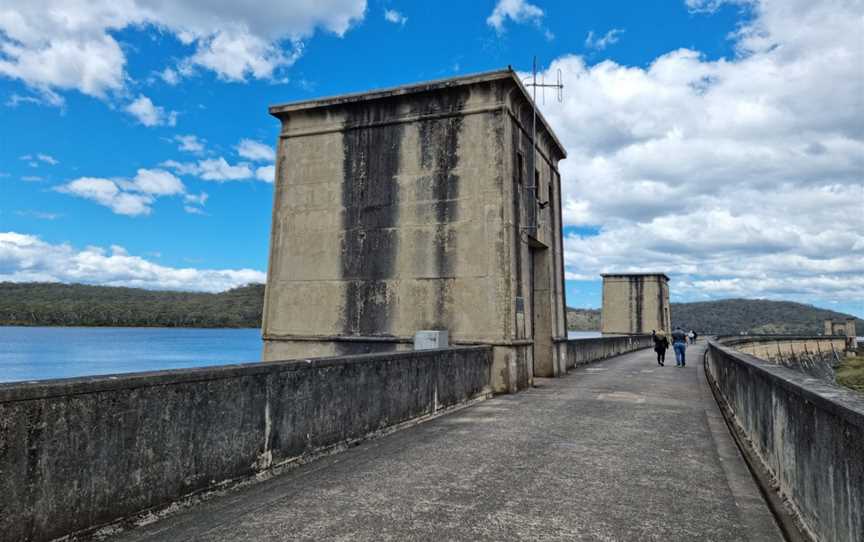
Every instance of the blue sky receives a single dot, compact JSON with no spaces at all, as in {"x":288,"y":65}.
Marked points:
{"x":678,"y":119}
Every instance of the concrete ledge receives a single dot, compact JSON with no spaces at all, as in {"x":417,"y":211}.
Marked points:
{"x":808,"y":434}
{"x":582,"y":351}
{"x":77,"y":454}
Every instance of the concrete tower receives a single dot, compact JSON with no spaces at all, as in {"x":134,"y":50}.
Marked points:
{"x":416,"y":208}
{"x":635,"y":303}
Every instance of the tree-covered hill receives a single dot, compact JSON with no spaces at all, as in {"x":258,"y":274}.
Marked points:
{"x":733,"y":316}
{"x":55,"y":304}
{"x":755,"y":316}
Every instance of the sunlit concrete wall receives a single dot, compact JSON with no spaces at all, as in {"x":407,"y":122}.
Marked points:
{"x":406,"y":209}
{"x":635,"y":303}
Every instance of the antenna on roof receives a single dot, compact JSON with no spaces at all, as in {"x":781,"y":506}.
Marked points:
{"x":559,"y":91}
{"x":543,"y":85}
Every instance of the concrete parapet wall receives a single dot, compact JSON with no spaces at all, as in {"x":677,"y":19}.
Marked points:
{"x":777,"y":347}
{"x":582,"y":351}
{"x":809,"y":435}
{"x":80,"y":453}
{"x":816,"y":356}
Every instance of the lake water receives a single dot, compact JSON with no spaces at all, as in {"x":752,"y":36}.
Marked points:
{"x":37,"y":353}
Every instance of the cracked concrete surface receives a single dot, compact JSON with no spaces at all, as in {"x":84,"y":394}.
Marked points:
{"x":622,"y":450}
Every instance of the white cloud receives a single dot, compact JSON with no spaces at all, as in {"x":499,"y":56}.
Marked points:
{"x":156,"y":182}
{"x":393,"y":16}
{"x":170,"y":76}
{"x":710,"y":6}
{"x":518,"y":11}
{"x":52,"y":45}
{"x":199,"y":199}
{"x":266,"y":173}
{"x":221,"y":170}
{"x":25,"y":258}
{"x":604,"y":41}
{"x":106,"y":192}
{"x":41,"y":215}
{"x":255,"y":151}
{"x":33,"y":160}
{"x":190,"y":143}
{"x":212,"y":169}
{"x":149,"y":114}
{"x":737,"y":176}
{"x":218,"y":169}
{"x":126,"y":197}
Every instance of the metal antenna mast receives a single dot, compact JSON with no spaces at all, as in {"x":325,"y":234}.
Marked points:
{"x":542,"y":85}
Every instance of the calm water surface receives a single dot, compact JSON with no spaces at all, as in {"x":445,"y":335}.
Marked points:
{"x":35,"y":353}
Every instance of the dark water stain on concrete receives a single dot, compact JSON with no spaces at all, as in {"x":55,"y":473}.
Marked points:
{"x":637,"y":292}
{"x":439,"y":153}
{"x":370,"y":198}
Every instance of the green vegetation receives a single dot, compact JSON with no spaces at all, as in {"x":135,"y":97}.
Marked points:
{"x":851,"y":373}
{"x":583,"y":319}
{"x":733,"y":316}
{"x":53,"y":304}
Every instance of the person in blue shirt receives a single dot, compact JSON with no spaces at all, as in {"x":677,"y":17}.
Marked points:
{"x":679,"y":344}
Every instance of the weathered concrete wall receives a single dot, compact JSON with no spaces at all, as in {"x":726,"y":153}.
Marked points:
{"x":582,"y":351}
{"x":809,"y":435}
{"x":816,"y":356}
{"x":410,"y":209}
{"x":775,"y":348}
{"x":843,"y":327}
{"x":635,"y":303}
{"x":84,"y":452}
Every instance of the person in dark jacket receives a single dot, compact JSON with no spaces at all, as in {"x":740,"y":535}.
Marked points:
{"x":661,"y":343}
{"x":679,"y":344}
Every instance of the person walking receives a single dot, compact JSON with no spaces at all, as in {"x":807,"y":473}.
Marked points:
{"x":661,"y":343}
{"x":691,"y":337}
{"x":679,"y":344}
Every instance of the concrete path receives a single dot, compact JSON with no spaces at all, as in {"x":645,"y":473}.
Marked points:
{"x":619,"y":450}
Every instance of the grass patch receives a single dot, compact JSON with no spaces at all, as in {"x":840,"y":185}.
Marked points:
{"x":851,"y":373}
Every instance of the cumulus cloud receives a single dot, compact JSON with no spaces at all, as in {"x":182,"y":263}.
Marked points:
{"x":52,"y":45}
{"x":738,"y":176}
{"x":190,"y":143}
{"x":266,"y":173}
{"x":393,"y":16}
{"x":130,"y":197}
{"x":518,"y":11}
{"x":156,"y":182}
{"x":256,"y":151}
{"x":106,"y":192}
{"x":150,"y":114}
{"x":609,"y":38}
{"x":25,"y":258}
{"x":220,"y":169}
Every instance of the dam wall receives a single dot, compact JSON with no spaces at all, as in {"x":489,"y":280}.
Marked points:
{"x":813,"y":355}
{"x":807,"y":433}
{"x":77,"y":454}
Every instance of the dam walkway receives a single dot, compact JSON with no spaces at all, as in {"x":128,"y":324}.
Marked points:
{"x":618,"y":450}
